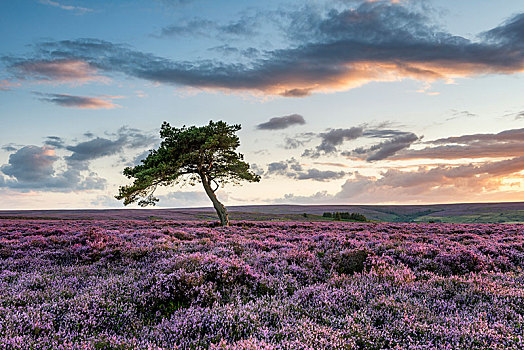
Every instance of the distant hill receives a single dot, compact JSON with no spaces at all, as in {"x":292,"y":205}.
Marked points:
{"x":459,"y":213}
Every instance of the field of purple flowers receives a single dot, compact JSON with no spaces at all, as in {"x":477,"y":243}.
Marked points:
{"x":115,"y":284}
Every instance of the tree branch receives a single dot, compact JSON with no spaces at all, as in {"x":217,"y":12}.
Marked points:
{"x":216,"y":183}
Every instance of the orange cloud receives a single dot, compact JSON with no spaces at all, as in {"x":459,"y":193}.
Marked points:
{"x":80,"y":102}
{"x":6,"y":85}
{"x":70,"y":71}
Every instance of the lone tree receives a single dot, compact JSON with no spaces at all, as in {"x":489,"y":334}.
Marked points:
{"x":190,"y":154}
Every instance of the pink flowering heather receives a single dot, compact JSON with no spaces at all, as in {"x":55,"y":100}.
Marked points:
{"x":115,"y":284}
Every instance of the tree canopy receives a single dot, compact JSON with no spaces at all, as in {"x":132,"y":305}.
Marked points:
{"x":205,"y":154}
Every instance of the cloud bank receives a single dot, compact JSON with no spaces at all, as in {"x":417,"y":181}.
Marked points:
{"x":39,"y":168}
{"x":291,"y":168}
{"x":335,"y":51}
{"x":331,"y":140}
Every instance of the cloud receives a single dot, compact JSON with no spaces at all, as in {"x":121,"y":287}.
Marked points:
{"x":206,"y":28}
{"x":80,"y":102}
{"x":95,"y":148}
{"x":298,"y":140}
{"x":33,"y":168}
{"x":55,"y":141}
{"x":282,"y":167}
{"x":6,"y":85}
{"x":101,"y":147}
{"x":64,"y":70}
{"x":335,"y":137}
{"x":284,"y":122}
{"x":195,"y":26}
{"x":508,"y":143}
{"x":320,"y":175}
{"x":31,"y":163}
{"x":256,"y":169}
{"x":396,"y":140}
{"x":384,"y":149}
{"x":440,"y":183}
{"x":228,"y":50}
{"x":10,"y":147}
{"x":65,"y":7}
{"x":461,"y":114}
{"x":335,"y":51}
{"x":340,"y":165}
{"x":293,"y":169}
{"x":297,"y":92}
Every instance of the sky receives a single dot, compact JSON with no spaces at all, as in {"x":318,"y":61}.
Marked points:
{"x":340,"y":101}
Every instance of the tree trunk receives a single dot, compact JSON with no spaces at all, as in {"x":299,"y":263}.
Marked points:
{"x":219,"y":207}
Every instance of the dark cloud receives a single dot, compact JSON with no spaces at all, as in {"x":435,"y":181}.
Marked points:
{"x":245,"y":26}
{"x":332,"y":139}
{"x":297,"y":92}
{"x":101,"y":147}
{"x":320,"y":175}
{"x":396,"y":140}
{"x":508,"y":143}
{"x":95,"y":148}
{"x":137,"y":160}
{"x":384,"y":149}
{"x":256,"y":169}
{"x":82,"y":102}
{"x":511,"y":32}
{"x":33,"y":168}
{"x":282,"y":167}
{"x":55,"y":141}
{"x":336,"y":137}
{"x":293,"y":169}
{"x":30,"y":163}
{"x":339,"y":50}
{"x":228,"y":50}
{"x":10,"y":147}
{"x":282,"y":122}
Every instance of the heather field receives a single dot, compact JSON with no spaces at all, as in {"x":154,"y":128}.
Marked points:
{"x":160,"y":284}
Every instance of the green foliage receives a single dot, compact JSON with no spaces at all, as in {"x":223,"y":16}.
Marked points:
{"x":338,"y":216}
{"x":188,"y":155}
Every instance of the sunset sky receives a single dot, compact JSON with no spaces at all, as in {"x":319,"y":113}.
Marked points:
{"x":341,"y":102}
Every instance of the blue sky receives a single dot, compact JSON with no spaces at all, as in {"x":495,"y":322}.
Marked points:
{"x":339,"y":101}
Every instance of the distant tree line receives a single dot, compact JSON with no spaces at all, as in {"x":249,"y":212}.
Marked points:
{"x":345,"y":216}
